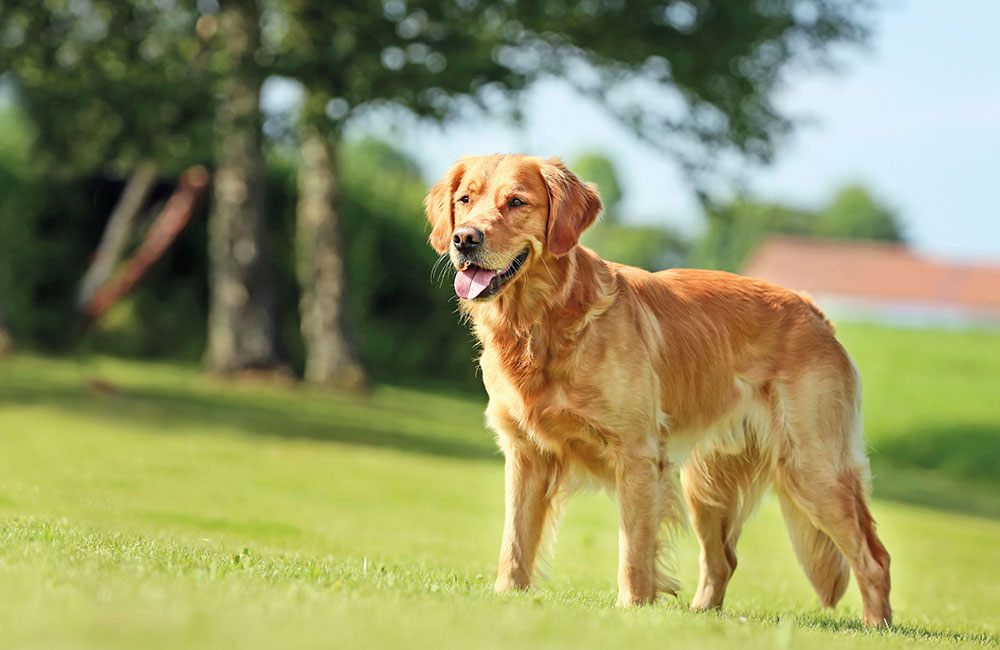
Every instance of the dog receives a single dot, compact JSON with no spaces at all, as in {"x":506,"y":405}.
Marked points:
{"x":599,"y":369}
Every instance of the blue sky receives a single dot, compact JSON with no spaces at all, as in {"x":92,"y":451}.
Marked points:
{"x":916,"y":117}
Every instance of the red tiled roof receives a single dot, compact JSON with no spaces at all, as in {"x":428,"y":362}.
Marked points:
{"x":874,"y":271}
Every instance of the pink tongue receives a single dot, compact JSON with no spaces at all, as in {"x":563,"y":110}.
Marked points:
{"x":472,"y":281}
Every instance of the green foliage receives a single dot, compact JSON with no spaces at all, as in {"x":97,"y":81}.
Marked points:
{"x":182,"y":511}
{"x":648,"y":247}
{"x":107,"y":84}
{"x":405,"y":317}
{"x":712,"y":67}
{"x":17,"y":136}
{"x":598,"y":168}
{"x":20,"y":195}
{"x":855,"y":214}
{"x":139,"y":78}
{"x":49,"y":226}
{"x":42,"y":225}
{"x":403,"y":321}
{"x":399,"y":317}
{"x":110,"y":83}
{"x":706,"y":71}
{"x":734,"y":229}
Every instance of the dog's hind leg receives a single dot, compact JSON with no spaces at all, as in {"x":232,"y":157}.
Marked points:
{"x":821,"y":472}
{"x":721,"y":492}
{"x":834,"y":503}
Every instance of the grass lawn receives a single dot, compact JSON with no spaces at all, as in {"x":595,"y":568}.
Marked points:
{"x":144,"y":505}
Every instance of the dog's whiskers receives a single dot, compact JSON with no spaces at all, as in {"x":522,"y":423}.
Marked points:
{"x":440,"y":269}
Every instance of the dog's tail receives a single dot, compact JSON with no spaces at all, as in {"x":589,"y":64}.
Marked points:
{"x":671,"y":512}
{"x":824,"y":564}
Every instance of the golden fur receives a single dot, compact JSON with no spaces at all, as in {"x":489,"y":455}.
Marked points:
{"x":625,"y":374}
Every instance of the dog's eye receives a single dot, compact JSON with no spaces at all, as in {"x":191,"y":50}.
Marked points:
{"x":464,"y":199}
{"x":516,"y":202}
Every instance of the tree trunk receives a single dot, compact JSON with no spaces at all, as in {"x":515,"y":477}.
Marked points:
{"x":6,"y":343}
{"x":242,"y":327}
{"x":330,"y":357}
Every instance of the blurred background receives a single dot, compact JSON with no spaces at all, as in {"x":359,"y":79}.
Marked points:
{"x":236,"y":403}
{"x":309,"y":132}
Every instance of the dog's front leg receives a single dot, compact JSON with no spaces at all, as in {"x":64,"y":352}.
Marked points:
{"x":529,"y":486}
{"x":638,"y":515}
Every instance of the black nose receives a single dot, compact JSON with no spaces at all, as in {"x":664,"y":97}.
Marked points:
{"x":467,"y":238}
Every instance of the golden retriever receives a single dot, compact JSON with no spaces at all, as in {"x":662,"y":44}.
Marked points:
{"x":603,"y":369}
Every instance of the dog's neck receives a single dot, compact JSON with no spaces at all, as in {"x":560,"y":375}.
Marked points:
{"x":549,"y":307}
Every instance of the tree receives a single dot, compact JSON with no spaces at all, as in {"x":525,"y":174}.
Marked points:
{"x":736,"y":227}
{"x":598,"y":168}
{"x":111,"y":88}
{"x":110,"y":84}
{"x":650,"y":247}
{"x":161,"y":234}
{"x":717,"y":63}
{"x":647,"y":246}
{"x":330,"y":354}
{"x":142,"y":80}
{"x":406,"y":335}
{"x":855,"y":214}
{"x":721,"y":62}
{"x":349,"y":57}
{"x":167,"y":84}
{"x":242,"y":325}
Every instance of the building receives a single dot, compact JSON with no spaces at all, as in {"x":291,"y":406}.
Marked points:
{"x":882,"y":282}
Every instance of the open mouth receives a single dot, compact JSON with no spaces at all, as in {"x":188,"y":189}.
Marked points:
{"x":476,"y":283}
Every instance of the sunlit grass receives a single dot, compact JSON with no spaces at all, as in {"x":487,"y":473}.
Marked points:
{"x":932,"y":414}
{"x":144,"y":505}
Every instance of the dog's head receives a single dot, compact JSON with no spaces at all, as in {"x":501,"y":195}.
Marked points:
{"x":495,"y":216}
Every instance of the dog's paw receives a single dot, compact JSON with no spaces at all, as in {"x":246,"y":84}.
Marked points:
{"x":505,"y":584}
{"x":633,"y":600}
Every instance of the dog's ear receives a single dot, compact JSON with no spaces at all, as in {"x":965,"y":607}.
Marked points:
{"x":440,"y":207}
{"x":573,"y":206}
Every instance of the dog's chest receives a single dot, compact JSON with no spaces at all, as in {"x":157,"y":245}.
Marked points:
{"x":558,"y":413}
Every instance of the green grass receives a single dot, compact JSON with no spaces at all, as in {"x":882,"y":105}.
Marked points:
{"x":144,"y":505}
{"x":932,"y":414}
